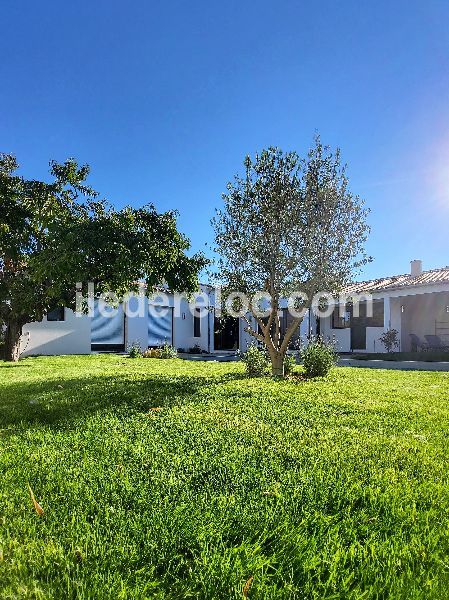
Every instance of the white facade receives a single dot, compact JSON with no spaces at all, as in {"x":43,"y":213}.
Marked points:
{"x":146,"y":321}
{"x":418,"y":304}
{"x":71,"y":336}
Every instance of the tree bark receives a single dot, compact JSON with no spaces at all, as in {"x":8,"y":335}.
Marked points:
{"x":11,"y":349}
{"x":277,"y":365}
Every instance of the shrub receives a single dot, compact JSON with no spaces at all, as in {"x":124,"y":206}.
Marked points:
{"x":255,"y":361}
{"x":318,"y":357}
{"x":134,"y":350}
{"x":289,"y":363}
{"x":167,"y":351}
{"x":152,"y":353}
{"x":390,"y":339}
{"x":196,"y":349}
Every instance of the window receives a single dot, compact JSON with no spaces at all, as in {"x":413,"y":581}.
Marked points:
{"x":57,"y":314}
{"x":377,"y":320}
{"x":341,"y":322}
{"x":353,"y":318}
{"x":197,"y":323}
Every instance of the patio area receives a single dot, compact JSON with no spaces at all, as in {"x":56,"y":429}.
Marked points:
{"x":423,"y":321}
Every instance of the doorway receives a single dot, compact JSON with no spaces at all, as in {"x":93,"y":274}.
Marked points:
{"x":226,"y":333}
{"x":358,"y":337}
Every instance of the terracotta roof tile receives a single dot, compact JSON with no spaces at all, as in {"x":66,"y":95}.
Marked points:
{"x":432,"y":277}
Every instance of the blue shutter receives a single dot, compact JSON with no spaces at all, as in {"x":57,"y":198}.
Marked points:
{"x":160,"y":321}
{"x":108,"y":329}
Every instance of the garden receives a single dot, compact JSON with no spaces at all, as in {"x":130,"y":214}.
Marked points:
{"x":155,"y":478}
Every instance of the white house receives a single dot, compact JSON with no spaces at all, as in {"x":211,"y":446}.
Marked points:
{"x":148,"y":322}
{"x":415,"y":304}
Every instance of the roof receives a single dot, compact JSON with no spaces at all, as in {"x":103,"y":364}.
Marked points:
{"x":385,"y":284}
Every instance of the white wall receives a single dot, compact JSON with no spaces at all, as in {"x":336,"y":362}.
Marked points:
{"x":183,"y":328}
{"x":136,"y":321}
{"x":342,"y":337}
{"x":71,"y":336}
{"x":373,"y":343}
{"x":136,"y":326}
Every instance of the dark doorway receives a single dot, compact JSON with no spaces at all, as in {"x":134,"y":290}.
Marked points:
{"x":358,"y":327}
{"x":226,"y":333}
{"x":358,"y":337}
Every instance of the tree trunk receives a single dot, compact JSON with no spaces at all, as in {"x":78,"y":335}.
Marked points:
{"x":11,"y":349}
{"x":277,"y":365}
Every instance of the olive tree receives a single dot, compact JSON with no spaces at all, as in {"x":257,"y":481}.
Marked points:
{"x":289,"y":225}
{"x":54,"y":234}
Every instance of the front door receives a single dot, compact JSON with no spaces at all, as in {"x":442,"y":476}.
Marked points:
{"x":358,"y":337}
{"x":358,"y":328}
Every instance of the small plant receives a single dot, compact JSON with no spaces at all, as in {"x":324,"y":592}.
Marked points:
{"x":390,"y":339}
{"x":318,"y":357}
{"x":134,"y":350}
{"x":152,"y":353}
{"x":167,"y":351}
{"x":255,"y":360}
{"x":196,"y":349}
{"x":289,"y":363}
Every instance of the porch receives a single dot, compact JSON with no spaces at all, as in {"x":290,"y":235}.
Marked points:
{"x":413,"y":315}
{"x":421,"y":315}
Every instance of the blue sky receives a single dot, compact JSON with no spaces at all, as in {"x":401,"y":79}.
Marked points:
{"x":164,"y":99}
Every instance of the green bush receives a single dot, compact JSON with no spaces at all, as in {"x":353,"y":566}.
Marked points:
{"x":390,"y":339}
{"x":152,"y":353}
{"x":255,"y":361}
{"x":289,"y":364}
{"x":134,"y":350}
{"x":318,"y":357}
{"x":167,"y":351}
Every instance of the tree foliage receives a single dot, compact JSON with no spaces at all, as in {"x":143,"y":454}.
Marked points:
{"x":289,"y":224}
{"x":55,"y":234}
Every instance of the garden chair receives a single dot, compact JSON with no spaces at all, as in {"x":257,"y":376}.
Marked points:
{"x":417,"y":343}
{"x":434,"y":342}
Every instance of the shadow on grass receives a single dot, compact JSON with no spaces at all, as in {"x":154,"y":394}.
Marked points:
{"x":57,"y":402}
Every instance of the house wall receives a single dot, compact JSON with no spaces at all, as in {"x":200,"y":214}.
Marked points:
{"x":184,"y":327}
{"x":413,"y":312}
{"x":396,"y":319}
{"x":183,"y":322}
{"x":136,"y":322}
{"x":420,"y":313}
{"x":71,"y":336}
{"x":342,"y":337}
{"x":373,"y":343}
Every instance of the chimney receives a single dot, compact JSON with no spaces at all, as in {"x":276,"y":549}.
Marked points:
{"x":415,"y":268}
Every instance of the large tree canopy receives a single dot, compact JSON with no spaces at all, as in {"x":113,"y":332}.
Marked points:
{"x":289,"y":225}
{"x":53,"y":235}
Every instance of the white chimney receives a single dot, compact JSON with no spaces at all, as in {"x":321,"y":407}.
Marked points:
{"x":415,"y":268}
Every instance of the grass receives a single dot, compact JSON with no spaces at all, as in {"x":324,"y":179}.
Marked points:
{"x":174,"y":479}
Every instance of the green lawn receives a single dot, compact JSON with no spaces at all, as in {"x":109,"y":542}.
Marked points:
{"x":328,"y":489}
